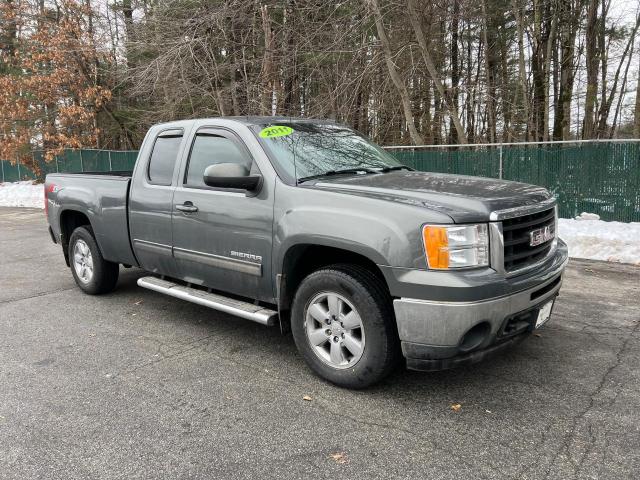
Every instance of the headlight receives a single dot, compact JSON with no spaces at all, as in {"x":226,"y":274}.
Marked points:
{"x":456,"y":246}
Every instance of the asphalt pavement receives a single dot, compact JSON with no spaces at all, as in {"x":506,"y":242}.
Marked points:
{"x":135,"y":384}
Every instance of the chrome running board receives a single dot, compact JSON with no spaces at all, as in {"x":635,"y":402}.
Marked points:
{"x":221,"y":303}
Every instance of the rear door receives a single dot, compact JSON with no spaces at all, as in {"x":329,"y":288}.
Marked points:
{"x":222,"y":237}
{"x":151,"y":202}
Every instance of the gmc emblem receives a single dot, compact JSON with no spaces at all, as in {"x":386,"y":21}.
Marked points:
{"x":541,"y":235}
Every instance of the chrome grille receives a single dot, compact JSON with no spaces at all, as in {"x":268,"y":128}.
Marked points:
{"x":518,"y":251}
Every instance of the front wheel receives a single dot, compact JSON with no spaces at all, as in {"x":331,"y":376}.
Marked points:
{"x":342,"y":323}
{"x":92,"y":273}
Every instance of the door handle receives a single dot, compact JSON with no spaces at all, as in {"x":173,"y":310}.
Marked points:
{"x":187,"y":207}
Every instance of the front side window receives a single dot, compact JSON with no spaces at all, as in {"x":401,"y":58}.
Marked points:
{"x":163,"y":159}
{"x":209,"y":149}
{"x":304,"y":149}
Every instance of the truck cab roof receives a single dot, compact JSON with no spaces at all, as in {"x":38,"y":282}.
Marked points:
{"x":248,"y":120}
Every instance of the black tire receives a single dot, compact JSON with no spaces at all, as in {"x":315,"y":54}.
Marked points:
{"x":105,"y":274}
{"x":368,"y":294}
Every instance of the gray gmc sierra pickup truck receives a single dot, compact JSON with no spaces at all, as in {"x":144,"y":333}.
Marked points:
{"x":306,"y":224}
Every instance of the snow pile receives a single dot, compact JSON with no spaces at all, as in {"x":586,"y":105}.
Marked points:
{"x":21,"y":194}
{"x":588,"y":216}
{"x":592,"y":238}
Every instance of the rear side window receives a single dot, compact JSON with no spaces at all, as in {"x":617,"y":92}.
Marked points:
{"x":163,"y":159}
{"x":210,"y":150}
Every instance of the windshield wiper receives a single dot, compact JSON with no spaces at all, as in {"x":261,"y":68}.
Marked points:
{"x":398,"y":167}
{"x":339,"y":172}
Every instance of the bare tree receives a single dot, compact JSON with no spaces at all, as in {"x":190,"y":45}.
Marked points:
{"x":393,"y":73}
{"x":433,"y":73}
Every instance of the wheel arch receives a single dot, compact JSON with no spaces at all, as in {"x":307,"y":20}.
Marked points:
{"x":301,"y":259}
{"x":70,"y":219}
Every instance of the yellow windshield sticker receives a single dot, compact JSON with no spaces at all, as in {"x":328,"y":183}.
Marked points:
{"x":275,"y":131}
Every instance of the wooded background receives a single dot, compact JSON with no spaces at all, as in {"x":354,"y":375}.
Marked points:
{"x":94,"y":73}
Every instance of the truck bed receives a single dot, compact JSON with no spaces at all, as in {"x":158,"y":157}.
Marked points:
{"x":103,"y":198}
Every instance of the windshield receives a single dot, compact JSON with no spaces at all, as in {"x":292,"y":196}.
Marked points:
{"x":304,"y":149}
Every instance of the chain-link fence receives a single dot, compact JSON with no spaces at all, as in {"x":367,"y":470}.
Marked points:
{"x":597,"y":176}
{"x":600,"y":177}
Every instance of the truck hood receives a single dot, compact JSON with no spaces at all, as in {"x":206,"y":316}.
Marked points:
{"x":463,"y":198}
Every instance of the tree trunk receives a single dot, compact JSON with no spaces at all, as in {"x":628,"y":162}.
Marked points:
{"x":546,"y":72}
{"x":605,"y":106}
{"x":290,"y":61}
{"x":636,"y":112}
{"x":490,"y":74}
{"x":454,"y":134}
{"x":127,"y":13}
{"x":433,"y":72}
{"x":592,"y":60}
{"x":543,"y":31}
{"x":268,"y":82}
{"x":569,"y":22}
{"x":416,"y":138}
{"x":623,"y":91}
{"x":522,"y":72}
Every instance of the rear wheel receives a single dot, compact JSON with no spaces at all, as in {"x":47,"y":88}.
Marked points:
{"x":92,"y":273}
{"x":343,"y":326}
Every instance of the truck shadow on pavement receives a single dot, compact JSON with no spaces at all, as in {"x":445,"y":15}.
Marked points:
{"x":533,"y":364}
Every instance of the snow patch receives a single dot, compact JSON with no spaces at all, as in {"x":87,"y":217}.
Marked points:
{"x":588,"y":216}
{"x":599,"y":240}
{"x":22,"y":194}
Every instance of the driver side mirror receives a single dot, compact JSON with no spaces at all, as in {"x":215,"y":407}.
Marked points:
{"x":230,"y":175}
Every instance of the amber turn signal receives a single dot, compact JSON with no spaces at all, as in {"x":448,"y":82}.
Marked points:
{"x":436,"y":244}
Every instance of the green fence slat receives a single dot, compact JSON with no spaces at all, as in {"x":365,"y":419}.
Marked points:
{"x":10,"y":172}
{"x":123,"y":161}
{"x":597,"y":177}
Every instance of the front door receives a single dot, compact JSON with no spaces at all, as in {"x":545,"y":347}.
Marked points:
{"x":222,"y":237}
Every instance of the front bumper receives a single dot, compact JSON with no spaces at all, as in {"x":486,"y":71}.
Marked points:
{"x":438,"y":364}
{"x":438,"y":334}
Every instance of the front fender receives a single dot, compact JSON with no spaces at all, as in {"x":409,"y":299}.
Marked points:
{"x":374,"y":238}
{"x":385,"y":232}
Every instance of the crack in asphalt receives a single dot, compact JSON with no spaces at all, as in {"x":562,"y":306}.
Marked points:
{"x":36,"y":295}
{"x":387,"y":426}
{"x":191,"y":346}
{"x":565,"y":447}
{"x":37,"y":257}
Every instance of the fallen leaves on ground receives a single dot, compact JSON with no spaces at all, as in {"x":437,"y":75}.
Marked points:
{"x":339,"y":457}
{"x":456,"y":407}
